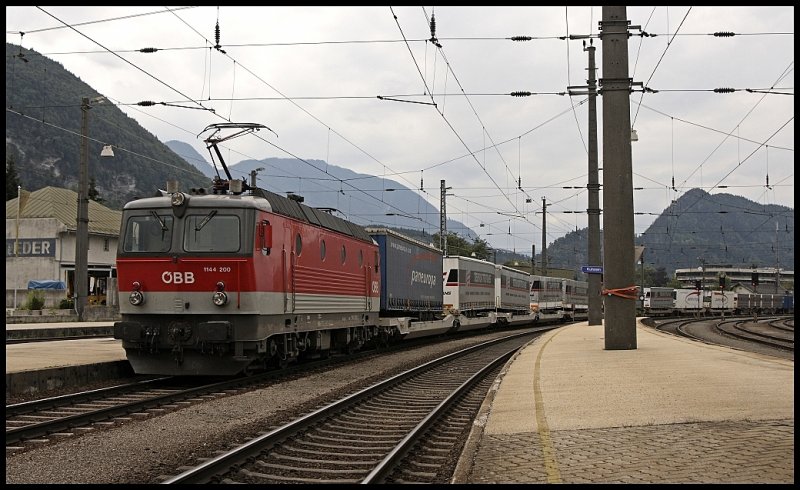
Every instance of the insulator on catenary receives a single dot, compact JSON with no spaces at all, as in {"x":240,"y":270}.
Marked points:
{"x":521,"y":38}
{"x":146,"y":103}
{"x":724,"y":90}
{"x":148,"y":50}
{"x":520,"y":94}
{"x":724,"y":34}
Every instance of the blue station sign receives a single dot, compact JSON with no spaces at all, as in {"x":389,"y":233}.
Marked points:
{"x":592,"y":269}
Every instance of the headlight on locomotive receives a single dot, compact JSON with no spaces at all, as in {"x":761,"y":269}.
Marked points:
{"x":178,"y":199}
{"x":137,"y":297}
{"x":220,"y":298}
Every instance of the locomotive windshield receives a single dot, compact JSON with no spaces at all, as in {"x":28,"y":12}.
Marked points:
{"x":149,"y":233}
{"x":211,"y":233}
{"x":202,"y":230}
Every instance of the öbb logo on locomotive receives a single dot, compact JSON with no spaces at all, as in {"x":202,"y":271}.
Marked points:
{"x":177,"y":277}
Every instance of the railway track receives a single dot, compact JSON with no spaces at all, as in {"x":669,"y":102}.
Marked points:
{"x":402,"y":429}
{"x":766,"y":333}
{"x":40,"y":421}
{"x":769,"y":335}
{"x":66,"y":415}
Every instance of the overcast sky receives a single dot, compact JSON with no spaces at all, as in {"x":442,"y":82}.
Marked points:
{"x":314,"y":76}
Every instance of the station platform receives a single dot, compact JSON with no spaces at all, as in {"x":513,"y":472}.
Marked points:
{"x":673,"y":410}
{"x":49,"y":330}
{"x":36,"y":367}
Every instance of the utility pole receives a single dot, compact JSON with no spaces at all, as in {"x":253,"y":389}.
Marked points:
{"x":619,"y":267}
{"x":544,"y":236}
{"x":81,"y":283}
{"x":533,"y":259}
{"x":593,"y":211}
{"x":593,"y":186}
{"x":443,"y":219}
{"x":641,"y":292}
{"x":777,"y":261}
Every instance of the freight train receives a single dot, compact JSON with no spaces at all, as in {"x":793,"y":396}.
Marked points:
{"x":237,"y":279}
{"x":663,"y":301}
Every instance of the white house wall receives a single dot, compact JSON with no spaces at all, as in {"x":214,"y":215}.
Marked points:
{"x":49,"y":251}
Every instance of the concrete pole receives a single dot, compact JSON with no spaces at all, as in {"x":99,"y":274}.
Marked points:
{"x":619,"y":267}
{"x":544,"y":236}
{"x":593,"y":211}
{"x":81,"y":283}
{"x":443,"y":219}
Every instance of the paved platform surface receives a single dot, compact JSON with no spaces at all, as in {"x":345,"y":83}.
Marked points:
{"x":565,"y":410}
{"x":34,"y":356}
{"x":35,"y":367}
{"x":53,"y":330}
{"x":57,"y":325}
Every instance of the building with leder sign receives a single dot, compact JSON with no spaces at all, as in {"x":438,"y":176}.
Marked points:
{"x":40,"y":244}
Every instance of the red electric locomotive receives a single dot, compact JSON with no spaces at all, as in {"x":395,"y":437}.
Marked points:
{"x":240,"y":278}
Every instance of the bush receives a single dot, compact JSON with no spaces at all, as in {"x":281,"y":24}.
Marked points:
{"x":66,"y":304}
{"x":35,"y":301}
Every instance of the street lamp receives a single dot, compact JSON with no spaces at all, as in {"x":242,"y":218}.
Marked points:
{"x":80,"y":286}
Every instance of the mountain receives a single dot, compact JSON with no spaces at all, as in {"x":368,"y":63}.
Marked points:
{"x":367,"y":202}
{"x":44,"y":133}
{"x":720,"y":229}
{"x":188,"y":153}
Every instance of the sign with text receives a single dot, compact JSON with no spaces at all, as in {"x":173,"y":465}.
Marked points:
{"x":31,"y":247}
{"x":592,"y":269}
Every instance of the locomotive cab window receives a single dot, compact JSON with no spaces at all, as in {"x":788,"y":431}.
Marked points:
{"x":211,"y":232}
{"x":148,"y":233}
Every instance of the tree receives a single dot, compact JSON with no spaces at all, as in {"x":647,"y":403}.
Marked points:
{"x":481,"y":249}
{"x":12,"y":179}
{"x":94,"y":195}
{"x":457,"y":245}
{"x":660,"y":277}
